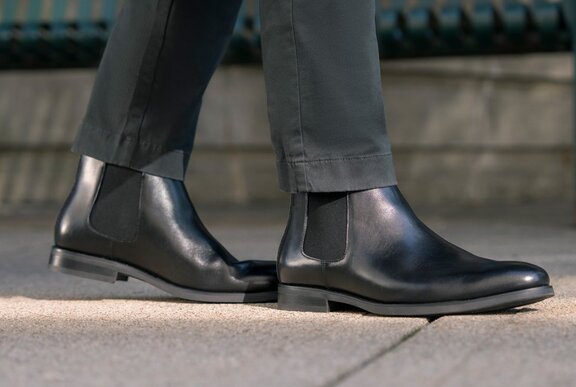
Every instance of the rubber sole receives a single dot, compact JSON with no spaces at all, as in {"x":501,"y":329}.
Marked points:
{"x":306,"y":299}
{"x":103,"y":269}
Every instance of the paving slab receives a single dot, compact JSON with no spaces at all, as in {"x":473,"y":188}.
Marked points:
{"x":61,"y":330}
{"x":530,"y":346}
{"x":65,"y":331}
{"x":115,"y":342}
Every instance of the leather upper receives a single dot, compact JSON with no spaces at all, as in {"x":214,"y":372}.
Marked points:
{"x":391,"y":256}
{"x":171,"y":242}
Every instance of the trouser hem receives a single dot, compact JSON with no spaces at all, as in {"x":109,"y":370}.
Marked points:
{"x":119,"y":149}
{"x":337,"y":175}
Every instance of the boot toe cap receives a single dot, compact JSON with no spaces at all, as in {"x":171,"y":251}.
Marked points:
{"x":512,"y":276}
{"x":531,"y":275}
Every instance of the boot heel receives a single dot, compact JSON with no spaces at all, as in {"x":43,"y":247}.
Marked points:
{"x":83,"y":265}
{"x":302,"y":299}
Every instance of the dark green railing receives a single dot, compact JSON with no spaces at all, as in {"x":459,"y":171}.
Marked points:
{"x":57,"y":33}
{"x":482,"y":27}
{"x":72,"y":33}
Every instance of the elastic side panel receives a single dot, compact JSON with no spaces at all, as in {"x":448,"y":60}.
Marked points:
{"x":325,"y":237}
{"x":116,"y":211}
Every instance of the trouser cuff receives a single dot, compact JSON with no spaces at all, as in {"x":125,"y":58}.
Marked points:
{"x":115,"y":148}
{"x":337,"y":175}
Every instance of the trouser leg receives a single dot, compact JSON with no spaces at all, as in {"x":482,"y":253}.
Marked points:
{"x":148,"y":91}
{"x":325,"y":101}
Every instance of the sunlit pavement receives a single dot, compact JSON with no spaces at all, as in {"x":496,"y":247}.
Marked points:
{"x":61,"y":330}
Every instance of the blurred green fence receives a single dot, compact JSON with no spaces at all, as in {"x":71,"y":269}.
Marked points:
{"x":73,"y":33}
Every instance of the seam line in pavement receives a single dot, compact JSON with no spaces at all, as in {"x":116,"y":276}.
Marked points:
{"x":383,"y":352}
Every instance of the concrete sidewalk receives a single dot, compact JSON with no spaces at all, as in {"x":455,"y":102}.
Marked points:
{"x":65,"y":331}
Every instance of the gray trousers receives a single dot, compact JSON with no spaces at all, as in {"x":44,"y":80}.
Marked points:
{"x":322,"y":76}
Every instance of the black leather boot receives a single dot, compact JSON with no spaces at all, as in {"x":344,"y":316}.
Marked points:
{"x":119,"y":223}
{"x":378,"y":256}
